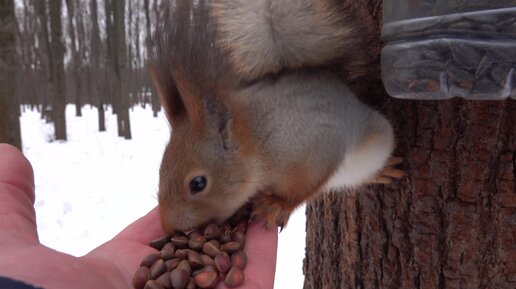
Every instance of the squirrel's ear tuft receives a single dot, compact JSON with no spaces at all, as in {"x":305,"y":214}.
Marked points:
{"x":169,"y":95}
{"x":186,"y":65}
{"x":190,"y":96}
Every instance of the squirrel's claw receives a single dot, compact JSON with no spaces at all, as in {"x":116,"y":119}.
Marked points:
{"x":266,"y":226}
{"x":252,"y":218}
{"x":271,"y":209}
{"x":393,"y":161}
{"x":389,"y":172}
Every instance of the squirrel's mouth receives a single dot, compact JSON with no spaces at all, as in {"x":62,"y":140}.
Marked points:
{"x":173,"y":219}
{"x":186,"y":225}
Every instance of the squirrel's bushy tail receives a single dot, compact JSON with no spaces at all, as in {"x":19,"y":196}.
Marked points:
{"x":267,"y":36}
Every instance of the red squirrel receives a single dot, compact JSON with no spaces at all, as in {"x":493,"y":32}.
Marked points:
{"x":257,"y":96}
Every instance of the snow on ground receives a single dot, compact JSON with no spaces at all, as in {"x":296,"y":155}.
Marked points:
{"x":96,"y":183}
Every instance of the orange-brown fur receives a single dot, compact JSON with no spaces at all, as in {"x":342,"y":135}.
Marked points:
{"x":330,"y":34}
{"x":267,"y":129}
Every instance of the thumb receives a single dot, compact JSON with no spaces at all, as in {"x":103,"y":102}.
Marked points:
{"x":17,"y":216}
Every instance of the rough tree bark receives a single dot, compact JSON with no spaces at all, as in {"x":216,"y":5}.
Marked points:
{"x":9,"y":103}
{"x":451,"y":223}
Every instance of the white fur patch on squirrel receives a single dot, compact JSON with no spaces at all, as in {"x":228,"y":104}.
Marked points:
{"x":266,"y":36}
{"x":361,"y":164}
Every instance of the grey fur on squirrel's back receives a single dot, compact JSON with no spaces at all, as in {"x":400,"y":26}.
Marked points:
{"x":267,"y":36}
{"x":298,"y":114}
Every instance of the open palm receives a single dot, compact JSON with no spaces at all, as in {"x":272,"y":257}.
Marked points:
{"x":112,"y":264}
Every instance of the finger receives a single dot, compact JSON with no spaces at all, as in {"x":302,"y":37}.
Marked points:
{"x":17,"y":216}
{"x":137,"y":237}
{"x":261,"y":248}
{"x":143,"y":230}
{"x":130,"y":246}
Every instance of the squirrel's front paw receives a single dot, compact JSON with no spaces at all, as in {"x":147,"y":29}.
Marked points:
{"x":389,"y":172}
{"x":271,"y":209}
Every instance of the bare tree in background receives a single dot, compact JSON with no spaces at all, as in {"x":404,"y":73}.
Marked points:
{"x":116,"y":55}
{"x":83,"y":27}
{"x":130,"y":84}
{"x":9,"y":104}
{"x":109,"y":80}
{"x":104,"y":57}
{"x":120,"y":65}
{"x":45,"y":58}
{"x":156,"y":105}
{"x":28,"y":59}
{"x":76,"y":59}
{"x":136,"y":61}
{"x":57,"y":52}
{"x":95,"y":64}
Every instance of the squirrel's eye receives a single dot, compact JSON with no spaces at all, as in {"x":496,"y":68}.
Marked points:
{"x":198,"y":184}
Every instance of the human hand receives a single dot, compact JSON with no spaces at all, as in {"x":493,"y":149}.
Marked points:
{"x":112,"y":264}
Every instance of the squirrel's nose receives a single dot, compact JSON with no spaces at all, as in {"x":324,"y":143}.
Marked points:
{"x":166,"y":220}
{"x":176,"y":219}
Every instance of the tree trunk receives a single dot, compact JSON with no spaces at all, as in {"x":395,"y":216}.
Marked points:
{"x":9,"y":103}
{"x":95,"y":64}
{"x":58,"y":76}
{"x":137,"y":58}
{"x":26,"y":79}
{"x":124,"y":125}
{"x":450,"y":223}
{"x":83,"y":42}
{"x":45,"y":57}
{"x":76,"y":60}
{"x":129,"y":67}
{"x":110,"y":79}
{"x":156,"y":104}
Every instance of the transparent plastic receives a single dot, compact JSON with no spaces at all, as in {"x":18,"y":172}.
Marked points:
{"x":439,"y":49}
